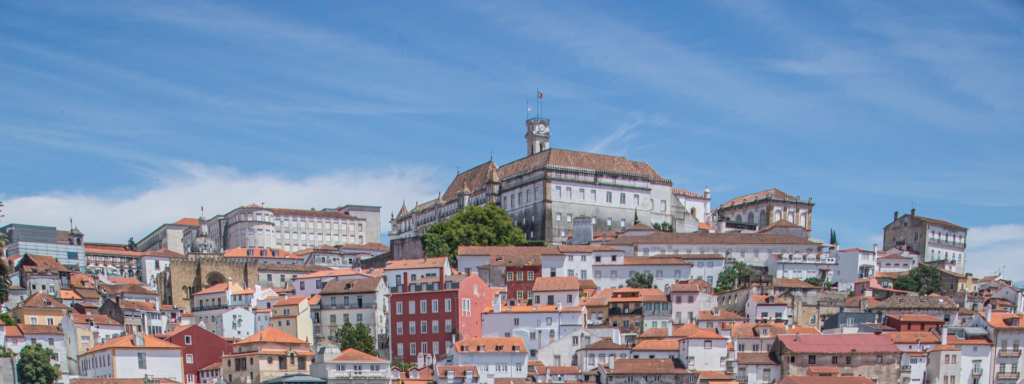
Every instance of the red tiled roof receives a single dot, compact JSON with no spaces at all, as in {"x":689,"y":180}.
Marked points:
{"x":490,"y":344}
{"x":128,"y":341}
{"x":310,"y":212}
{"x":648,"y":366}
{"x":41,"y":264}
{"x":42,"y":300}
{"x":824,"y":370}
{"x":677,"y":191}
{"x":353,"y":354}
{"x":271,"y":335}
{"x":826,"y":380}
{"x":864,"y":343}
{"x":722,"y":315}
{"x":258,"y":253}
{"x":751,"y":358}
{"x":500,"y":250}
{"x":560,"y":159}
{"x":657,"y":345}
{"x":941,"y":222}
{"x":915,"y":318}
{"x":545,"y":284}
{"x":432,"y":262}
{"x":773,"y":193}
{"x":697,"y":238}
{"x":586,"y":248}
{"x":294,"y":300}
{"x":913,"y":337}
{"x":188,"y":221}
{"x":134,"y":305}
{"x":79,"y":318}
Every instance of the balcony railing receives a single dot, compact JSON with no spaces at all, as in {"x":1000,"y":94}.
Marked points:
{"x":948,"y":243}
{"x":905,"y":368}
{"x":357,"y":375}
{"x":1008,"y":375}
{"x":977,"y":372}
{"x":208,"y":307}
{"x":1009,"y":353}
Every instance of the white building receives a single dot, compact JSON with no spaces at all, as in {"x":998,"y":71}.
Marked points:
{"x":156,"y":261}
{"x":609,"y":274}
{"x":854,"y":264}
{"x":311,"y":284}
{"x":48,"y":336}
{"x":350,"y":367}
{"x":976,"y":358}
{"x":83,"y":332}
{"x":705,"y":351}
{"x":494,"y":357}
{"x":237,"y":323}
{"x":689,"y":298}
{"x":576,"y":260}
{"x":562,"y":352}
{"x":753,"y":248}
{"x":133,"y":356}
{"x":766,"y":307}
{"x":398,"y":272}
{"x":895,"y":262}
{"x":537,"y":325}
{"x":802,"y":266}
{"x":556,"y":290}
{"x":357,"y":301}
{"x":757,"y":368}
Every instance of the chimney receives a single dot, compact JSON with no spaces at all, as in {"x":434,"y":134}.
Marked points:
{"x":798,"y":337}
{"x":669,"y":329}
{"x":497,"y":304}
{"x":405,"y":282}
{"x":559,"y":307}
{"x":896,"y":216}
{"x":611,"y":363}
{"x":913,"y":212}
{"x":138,"y":339}
{"x":440,"y":284}
{"x":945,"y":333}
{"x":988,"y":313}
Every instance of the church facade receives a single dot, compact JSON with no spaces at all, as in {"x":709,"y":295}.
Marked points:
{"x":545,"y":190}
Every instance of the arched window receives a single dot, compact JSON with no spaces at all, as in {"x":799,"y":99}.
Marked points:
{"x":739,"y":217}
{"x":778,"y":215}
{"x":750,"y":217}
{"x":791,"y":218}
{"x":763,"y":220}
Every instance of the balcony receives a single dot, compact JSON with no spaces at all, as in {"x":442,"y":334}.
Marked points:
{"x":977,"y":372}
{"x":1009,"y":353}
{"x":358,"y":375}
{"x":905,"y":368}
{"x":1007,"y":375}
{"x":208,"y":307}
{"x":947,"y":243}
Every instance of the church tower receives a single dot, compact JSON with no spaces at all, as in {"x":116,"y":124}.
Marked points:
{"x":537,"y":135}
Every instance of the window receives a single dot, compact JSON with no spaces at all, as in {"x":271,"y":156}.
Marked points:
{"x":878,"y":359}
{"x":433,"y":305}
{"x":510,"y":276}
{"x":608,"y":197}
{"x":448,"y":326}
{"x":142,"y":360}
{"x":398,"y":307}
{"x":398,"y":327}
{"x":188,"y":359}
{"x":622,"y":198}
{"x":412,"y":307}
{"x":447,"y":305}
{"x":811,"y":359}
{"x":423,"y":306}
{"x":412,"y":330}
{"x":558,"y":193}
{"x":433,"y":327}
{"x":707,"y":344}
{"x":593,"y":195}
{"x":529,"y":275}
{"x":400,"y":348}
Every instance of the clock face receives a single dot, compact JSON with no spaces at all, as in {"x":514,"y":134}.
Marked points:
{"x":542,"y":128}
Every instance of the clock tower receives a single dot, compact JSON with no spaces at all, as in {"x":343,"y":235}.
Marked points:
{"x":537,"y":135}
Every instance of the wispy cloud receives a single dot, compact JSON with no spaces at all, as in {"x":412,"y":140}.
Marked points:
{"x":993,"y":247}
{"x":618,"y":137}
{"x":218,"y":190}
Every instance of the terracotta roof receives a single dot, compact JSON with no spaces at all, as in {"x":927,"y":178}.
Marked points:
{"x":128,"y":341}
{"x":221,"y":287}
{"x":271,"y":335}
{"x":854,"y":302}
{"x":79,"y":318}
{"x":857,"y":249}
{"x":294,"y":300}
{"x":124,"y":280}
{"x":941,"y":222}
{"x":136,"y":305}
{"x":707,"y":335}
{"x":704,"y":226}
{"x":939,"y":348}
{"x":826,"y":380}
{"x":306,"y":269}
{"x":773,"y":193}
{"x":824,"y":370}
{"x":560,"y":370}
{"x":953,"y":340}
{"x":687,"y":330}
{"x":915,"y":318}
{"x":605,"y":344}
{"x":79,"y":279}
{"x":585,"y":248}
{"x":212,"y":367}
{"x":500,"y":250}
{"x":760,"y":358}
{"x":27,"y":329}
{"x":131,"y":289}
{"x":916,"y":302}
{"x":12,"y":331}
{"x":187,"y":221}
{"x":895,"y":256}
{"x":432,"y":262}
{"x":42,"y":300}
{"x":332,"y":273}
{"x":1005,"y":320}
{"x":716,"y":377}
{"x":913,"y":337}
{"x":67,"y":294}
{"x":458,"y":370}
{"x":363,"y":285}
{"x":763,"y":300}
{"x":654,"y":260}
{"x":695,"y":285}
{"x":471,"y":180}
{"x":677,"y":191}
{"x":839,"y":343}
{"x":258,"y":253}
{"x":378,"y":247}
{"x":545,"y":284}
{"x":556,"y":158}
{"x":803,"y":330}
{"x":657,"y":345}
{"x":711,"y":238}
{"x":40,"y":264}
{"x":648,"y":366}
{"x":791,"y":283}
{"x":353,"y":354}
{"x":490,"y":344}
{"x":747,"y":330}
{"x":722,"y":315}
{"x":177,"y":330}
{"x":780,"y":224}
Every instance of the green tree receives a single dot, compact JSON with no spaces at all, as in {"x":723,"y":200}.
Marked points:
{"x":815,"y":281}
{"x":5,"y":281}
{"x":487,"y":225}
{"x":640,"y":280}
{"x":729,"y":275}
{"x":34,"y":365}
{"x":924,"y":279}
{"x":664,"y":227}
{"x":400,"y":365}
{"x":357,"y":337}
{"x":6,"y":318}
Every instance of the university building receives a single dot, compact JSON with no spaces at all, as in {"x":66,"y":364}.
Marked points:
{"x":545,"y":190}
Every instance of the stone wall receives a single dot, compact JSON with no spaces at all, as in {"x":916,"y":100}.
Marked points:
{"x":184,"y":277}
{"x":406,"y":249}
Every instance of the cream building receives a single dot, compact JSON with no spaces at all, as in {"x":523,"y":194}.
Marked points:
{"x":293,"y":316}
{"x":268,"y":354}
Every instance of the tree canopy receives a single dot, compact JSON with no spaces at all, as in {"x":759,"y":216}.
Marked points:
{"x":487,"y":225}
{"x":729,"y":275}
{"x":357,"y":337}
{"x":924,"y":279}
{"x":6,"y":318}
{"x":815,"y":281}
{"x":34,"y":365}
{"x":664,"y":227}
{"x":5,"y":281}
{"x":640,"y":280}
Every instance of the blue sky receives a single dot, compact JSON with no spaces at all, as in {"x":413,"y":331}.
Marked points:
{"x":128,"y":115}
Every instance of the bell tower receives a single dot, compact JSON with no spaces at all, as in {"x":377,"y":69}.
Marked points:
{"x":537,"y":135}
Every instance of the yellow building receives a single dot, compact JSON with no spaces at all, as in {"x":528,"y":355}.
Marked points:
{"x":268,"y":354}
{"x":292,"y":315}
{"x":40,"y":309}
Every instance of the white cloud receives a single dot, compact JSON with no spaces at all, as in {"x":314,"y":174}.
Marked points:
{"x":218,"y":190}
{"x":996,"y":246}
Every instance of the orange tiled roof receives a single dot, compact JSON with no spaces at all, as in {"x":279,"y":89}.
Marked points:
{"x":657,"y":345}
{"x":544,"y":284}
{"x":432,"y":262}
{"x":42,"y":300}
{"x":490,"y":344}
{"x":352,"y":354}
{"x":259,"y":253}
{"x":128,"y":341}
{"x":271,"y":335}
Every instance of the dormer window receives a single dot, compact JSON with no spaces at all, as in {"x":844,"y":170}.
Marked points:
{"x":248,"y":252}
{"x":263,"y":252}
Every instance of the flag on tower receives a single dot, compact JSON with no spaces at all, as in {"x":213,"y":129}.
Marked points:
{"x":528,"y":108}
{"x":540,"y":95}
